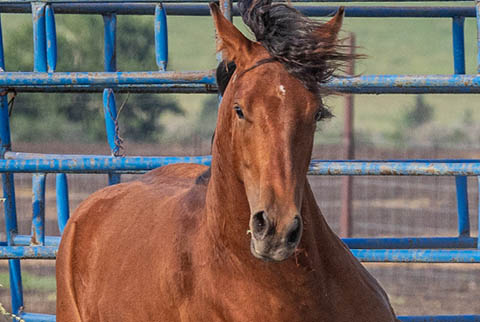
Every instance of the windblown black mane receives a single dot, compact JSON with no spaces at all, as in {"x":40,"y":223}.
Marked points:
{"x":308,"y":49}
{"x":223,"y":74}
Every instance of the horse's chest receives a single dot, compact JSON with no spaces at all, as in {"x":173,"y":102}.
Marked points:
{"x":259,"y":298}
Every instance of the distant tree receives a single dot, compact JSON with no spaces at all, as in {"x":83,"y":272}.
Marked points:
{"x":207,"y":119}
{"x":80,"y":48}
{"x":418,"y":114}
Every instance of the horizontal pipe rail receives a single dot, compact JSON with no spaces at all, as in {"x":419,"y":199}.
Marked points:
{"x":102,"y":164}
{"x":440,"y":318}
{"x":207,"y":1}
{"x":125,"y":88}
{"x":203,"y":10}
{"x":364,"y":255}
{"x":34,"y":317}
{"x":417,"y":255}
{"x":320,"y":167}
{"x":153,"y":81}
{"x":104,"y":78}
{"x":96,"y":165}
{"x":411,"y":84}
{"x":28,"y":155}
{"x":411,"y":243}
{"x":28,"y":252}
{"x":352,"y":243}
{"x":26,"y":240}
{"x":37,"y":317}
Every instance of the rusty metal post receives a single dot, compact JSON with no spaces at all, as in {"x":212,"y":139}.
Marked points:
{"x":477,"y":11}
{"x":348,"y":153}
{"x":226,"y":8}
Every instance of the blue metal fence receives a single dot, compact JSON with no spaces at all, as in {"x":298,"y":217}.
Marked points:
{"x":461,"y":249}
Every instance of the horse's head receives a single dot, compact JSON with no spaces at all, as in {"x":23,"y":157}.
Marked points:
{"x":266,"y":125}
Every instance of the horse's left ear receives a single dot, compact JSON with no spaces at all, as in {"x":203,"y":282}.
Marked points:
{"x":332,"y":27}
{"x":230,"y":41}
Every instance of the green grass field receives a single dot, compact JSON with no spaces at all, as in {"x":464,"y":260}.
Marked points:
{"x":391,"y":46}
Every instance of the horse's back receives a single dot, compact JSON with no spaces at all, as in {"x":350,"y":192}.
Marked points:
{"x":137,"y":234}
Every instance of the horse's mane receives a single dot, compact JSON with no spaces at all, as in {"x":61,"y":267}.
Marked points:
{"x":223,"y":74}
{"x":308,"y":49}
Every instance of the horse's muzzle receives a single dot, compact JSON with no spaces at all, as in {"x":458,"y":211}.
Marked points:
{"x":270,"y":243}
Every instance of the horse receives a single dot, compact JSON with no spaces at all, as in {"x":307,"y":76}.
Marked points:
{"x":242,"y":240}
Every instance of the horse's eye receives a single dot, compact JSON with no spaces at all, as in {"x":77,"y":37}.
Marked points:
{"x":322,"y":114}
{"x":239,"y":111}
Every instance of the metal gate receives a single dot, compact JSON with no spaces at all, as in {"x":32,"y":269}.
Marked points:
{"x":462,"y":249}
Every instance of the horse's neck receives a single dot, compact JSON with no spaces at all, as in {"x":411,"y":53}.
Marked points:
{"x":333,"y":258}
{"x":228,"y":212}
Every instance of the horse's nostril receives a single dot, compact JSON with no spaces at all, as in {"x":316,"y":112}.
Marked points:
{"x":260,"y":224}
{"x":294,"y":233}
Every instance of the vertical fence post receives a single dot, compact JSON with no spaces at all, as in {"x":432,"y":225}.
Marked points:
{"x":226,"y":8}
{"x":51,"y":35}
{"x":161,"y":37}
{"x":63,"y":211}
{"x":478,"y":213}
{"x":38,"y":209}
{"x":348,"y":153}
{"x":458,"y":44}
{"x":40,"y":64}
{"x":477,"y":10}
{"x":16,"y":289}
{"x":39,"y":42}
{"x":458,"y":40}
{"x":109,"y":106}
{"x":462,"y":206}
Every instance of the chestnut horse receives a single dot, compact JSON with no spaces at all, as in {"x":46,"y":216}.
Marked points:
{"x":241,"y":241}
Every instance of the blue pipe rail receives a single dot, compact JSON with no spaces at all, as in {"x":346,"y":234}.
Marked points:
{"x":161,"y":37}
{"x":28,"y":252}
{"x":33,"y":317}
{"x":38,"y":209}
{"x":353,"y":243}
{"x":458,"y":44}
{"x":317,"y":167}
{"x":441,"y":318}
{"x":478,"y":242}
{"x":51,"y":39}
{"x":462,"y":206}
{"x":39,"y":35}
{"x":364,"y":255}
{"x":63,"y":208}
{"x":207,"y":1}
{"x":109,"y":102}
{"x":26,"y":240}
{"x":158,"y":81}
{"x":9,"y":206}
{"x":203,"y":10}
{"x":417,"y":255}
{"x":411,"y":243}
{"x":477,"y":13}
{"x":36,"y":317}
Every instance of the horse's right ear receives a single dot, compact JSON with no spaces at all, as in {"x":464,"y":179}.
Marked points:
{"x":332,"y":27}
{"x":233,"y":45}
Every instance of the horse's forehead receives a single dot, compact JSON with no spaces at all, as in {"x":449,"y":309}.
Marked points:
{"x":271,"y":79}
